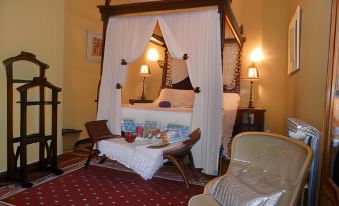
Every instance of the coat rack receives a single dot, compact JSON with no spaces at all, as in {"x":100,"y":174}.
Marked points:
{"x":47,"y":142}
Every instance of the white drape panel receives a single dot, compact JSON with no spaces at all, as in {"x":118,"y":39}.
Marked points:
{"x":197,"y":34}
{"x":126,"y":38}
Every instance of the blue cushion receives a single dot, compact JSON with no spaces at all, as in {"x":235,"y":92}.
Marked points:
{"x":127,"y":126}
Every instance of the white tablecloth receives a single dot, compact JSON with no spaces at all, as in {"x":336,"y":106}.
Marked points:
{"x":136,"y":156}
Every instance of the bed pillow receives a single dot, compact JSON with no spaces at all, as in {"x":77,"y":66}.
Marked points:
{"x":177,"y":97}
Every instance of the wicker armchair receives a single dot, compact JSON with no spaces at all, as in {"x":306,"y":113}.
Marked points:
{"x":265,"y":168}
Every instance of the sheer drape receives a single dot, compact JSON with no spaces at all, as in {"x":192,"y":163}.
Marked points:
{"x":126,"y":38}
{"x":197,"y":34}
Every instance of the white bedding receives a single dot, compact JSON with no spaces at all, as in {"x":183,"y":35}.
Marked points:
{"x":182,"y":114}
{"x":231,"y":103}
{"x":152,"y":112}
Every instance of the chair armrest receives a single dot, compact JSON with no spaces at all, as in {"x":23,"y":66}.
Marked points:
{"x":212,"y":183}
{"x":203,"y":200}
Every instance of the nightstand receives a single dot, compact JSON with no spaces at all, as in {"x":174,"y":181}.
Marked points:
{"x":249,"y":119}
{"x":132,"y":101}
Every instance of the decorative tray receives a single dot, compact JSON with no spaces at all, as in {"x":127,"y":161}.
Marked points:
{"x":158,"y":145}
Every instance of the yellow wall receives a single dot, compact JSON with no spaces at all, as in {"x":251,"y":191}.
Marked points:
{"x":301,"y":94}
{"x":34,"y":26}
{"x":306,"y":88}
{"x":81,"y":77}
{"x":265,"y":26}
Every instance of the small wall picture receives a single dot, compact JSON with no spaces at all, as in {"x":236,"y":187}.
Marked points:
{"x":94,"y":46}
{"x":294,"y":43}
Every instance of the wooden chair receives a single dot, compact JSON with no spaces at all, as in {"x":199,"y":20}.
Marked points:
{"x":97,"y":130}
{"x":177,"y":154}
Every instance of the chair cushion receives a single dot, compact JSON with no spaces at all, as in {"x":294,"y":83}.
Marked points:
{"x":244,"y":184}
{"x":203,"y":200}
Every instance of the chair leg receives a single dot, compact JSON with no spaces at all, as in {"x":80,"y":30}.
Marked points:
{"x":103,"y":159}
{"x":91,"y":154}
{"x":190,"y":158}
{"x":88,"y":160}
{"x":180,"y":165}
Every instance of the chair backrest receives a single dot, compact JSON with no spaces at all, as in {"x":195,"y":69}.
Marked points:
{"x":282,"y":156}
{"x":98,"y":130}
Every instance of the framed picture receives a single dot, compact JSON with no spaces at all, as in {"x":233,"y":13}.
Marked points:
{"x":294,"y":43}
{"x":94,"y":46}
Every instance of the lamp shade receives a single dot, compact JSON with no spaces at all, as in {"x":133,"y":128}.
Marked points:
{"x":144,"y":71}
{"x":252,"y":73}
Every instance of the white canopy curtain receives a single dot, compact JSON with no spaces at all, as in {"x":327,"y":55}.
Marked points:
{"x":126,"y":38}
{"x":196,"y":33}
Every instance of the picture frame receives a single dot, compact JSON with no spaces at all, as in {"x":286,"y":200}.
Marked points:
{"x":94,"y":47}
{"x":294,"y":42}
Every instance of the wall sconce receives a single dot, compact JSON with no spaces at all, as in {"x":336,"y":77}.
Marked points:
{"x":256,"y":55}
{"x":144,"y":72}
{"x":152,"y":55}
{"x":252,"y":75}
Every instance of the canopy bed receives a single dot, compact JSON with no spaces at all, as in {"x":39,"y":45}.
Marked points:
{"x":194,"y":31}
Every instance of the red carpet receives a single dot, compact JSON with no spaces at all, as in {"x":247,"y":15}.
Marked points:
{"x":103,"y":186}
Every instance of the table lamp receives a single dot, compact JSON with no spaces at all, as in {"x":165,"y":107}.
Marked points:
{"x":144,"y":72}
{"x":252,"y":75}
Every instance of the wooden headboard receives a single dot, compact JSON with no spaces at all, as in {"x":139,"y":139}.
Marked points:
{"x":231,"y":69}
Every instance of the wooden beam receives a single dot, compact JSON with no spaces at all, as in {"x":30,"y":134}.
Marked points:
{"x":108,"y":10}
{"x":233,"y":23}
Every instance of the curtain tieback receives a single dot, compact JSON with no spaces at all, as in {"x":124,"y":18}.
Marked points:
{"x":118,"y":86}
{"x":123,"y":62}
{"x":185,"y":57}
{"x":197,"y":90}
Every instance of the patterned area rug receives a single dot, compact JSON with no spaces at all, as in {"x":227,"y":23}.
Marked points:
{"x":168,"y":171}
{"x":70,"y":162}
{"x":15,"y":187}
{"x":104,"y":186}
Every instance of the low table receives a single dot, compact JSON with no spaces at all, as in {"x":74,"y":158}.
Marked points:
{"x":136,"y":156}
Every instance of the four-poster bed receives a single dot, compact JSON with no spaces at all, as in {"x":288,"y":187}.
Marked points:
{"x":194,"y":31}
